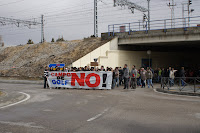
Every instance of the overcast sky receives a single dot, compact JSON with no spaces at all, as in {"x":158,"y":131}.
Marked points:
{"x":74,"y":19}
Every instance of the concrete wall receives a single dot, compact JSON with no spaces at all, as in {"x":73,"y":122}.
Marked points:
{"x":99,"y":52}
{"x":159,"y":59}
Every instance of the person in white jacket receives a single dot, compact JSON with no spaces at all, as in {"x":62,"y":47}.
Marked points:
{"x":172,"y":76}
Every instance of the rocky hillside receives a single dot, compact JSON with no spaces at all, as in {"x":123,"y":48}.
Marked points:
{"x":29,"y":60}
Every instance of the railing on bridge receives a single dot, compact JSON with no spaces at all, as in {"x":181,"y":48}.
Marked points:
{"x":155,"y":25}
{"x":187,"y":84}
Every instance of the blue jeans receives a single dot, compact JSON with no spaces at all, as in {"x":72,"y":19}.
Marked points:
{"x":182,"y":82}
{"x":158,"y":79}
{"x":139,"y":82}
{"x":115,"y":80}
{"x":171,"y":82}
{"x":143,"y":83}
{"x":149,"y":82}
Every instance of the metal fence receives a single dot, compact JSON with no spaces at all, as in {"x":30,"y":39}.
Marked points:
{"x":155,"y":25}
{"x":187,"y":84}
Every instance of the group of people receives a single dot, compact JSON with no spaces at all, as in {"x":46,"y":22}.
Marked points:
{"x":143,"y":77}
{"x":132,"y":78}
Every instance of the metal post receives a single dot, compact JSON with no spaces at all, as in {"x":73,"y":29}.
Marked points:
{"x":183,"y":13}
{"x":149,"y":53}
{"x":172,"y":13}
{"x":185,"y":28}
{"x":173,"y":16}
{"x":146,"y":28}
{"x":195,"y":85}
{"x":95,"y":19}
{"x":139,"y":25}
{"x":108,"y":30}
{"x":165,"y":26}
{"x":188,"y":13}
{"x":42,"y":28}
{"x":113,"y":30}
{"x":148,"y":14}
{"x":149,"y":61}
{"x":179,"y":84}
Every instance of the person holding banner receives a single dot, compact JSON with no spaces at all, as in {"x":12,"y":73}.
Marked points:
{"x":45,"y":77}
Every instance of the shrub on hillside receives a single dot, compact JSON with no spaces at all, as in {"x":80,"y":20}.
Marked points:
{"x":60,"y":39}
{"x":30,"y":42}
{"x":52,"y":40}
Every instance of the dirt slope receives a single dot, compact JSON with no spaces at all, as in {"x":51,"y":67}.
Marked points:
{"x":30,"y":60}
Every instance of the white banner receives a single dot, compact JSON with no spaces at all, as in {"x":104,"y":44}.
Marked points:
{"x":82,"y":79}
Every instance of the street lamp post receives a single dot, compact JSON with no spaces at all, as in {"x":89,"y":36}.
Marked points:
{"x":149,"y":53}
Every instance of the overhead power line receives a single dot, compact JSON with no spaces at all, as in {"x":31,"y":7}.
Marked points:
{"x":12,"y":3}
{"x":130,"y":5}
{"x":19,"y":22}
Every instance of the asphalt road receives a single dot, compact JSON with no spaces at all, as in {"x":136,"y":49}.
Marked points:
{"x":98,"y":111}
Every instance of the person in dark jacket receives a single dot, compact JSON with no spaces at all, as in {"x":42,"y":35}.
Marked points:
{"x":45,"y":77}
{"x":126,"y":76}
{"x":182,"y":75}
{"x":133,"y":77}
{"x":116,"y":77}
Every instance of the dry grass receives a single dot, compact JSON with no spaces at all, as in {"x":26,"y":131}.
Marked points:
{"x":30,"y":60}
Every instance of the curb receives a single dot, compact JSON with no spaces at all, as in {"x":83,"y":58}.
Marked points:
{"x":21,"y":82}
{"x":178,"y":92}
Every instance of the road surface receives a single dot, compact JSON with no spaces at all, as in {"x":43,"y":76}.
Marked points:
{"x":98,"y":111}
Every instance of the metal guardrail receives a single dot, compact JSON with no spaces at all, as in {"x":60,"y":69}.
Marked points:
{"x":155,"y":25}
{"x":188,"y":84}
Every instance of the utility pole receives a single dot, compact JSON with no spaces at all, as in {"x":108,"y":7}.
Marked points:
{"x":188,"y":11}
{"x":148,"y":14}
{"x":171,"y":6}
{"x":132,"y":6}
{"x":183,"y":16}
{"x":42,"y":28}
{"x":95,"y":19}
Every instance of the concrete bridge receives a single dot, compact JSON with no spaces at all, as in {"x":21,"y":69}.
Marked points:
{"x":169,"y":47}
{"x":187,"y":37}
